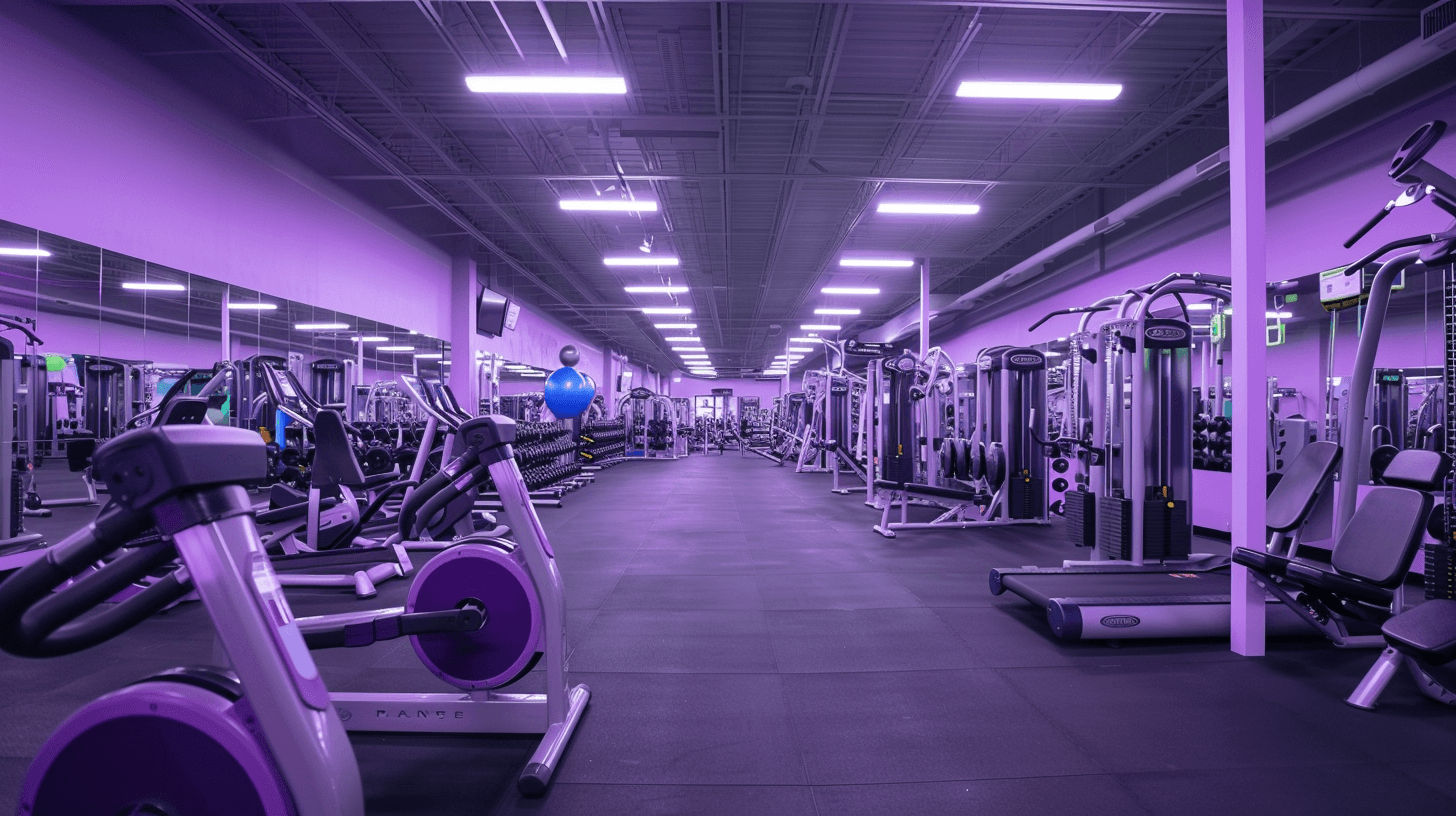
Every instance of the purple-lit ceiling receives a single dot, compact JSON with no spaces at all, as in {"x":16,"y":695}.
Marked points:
{"x":767,"y":132}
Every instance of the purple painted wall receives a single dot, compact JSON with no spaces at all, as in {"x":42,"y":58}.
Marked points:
{"x":101,"y":148}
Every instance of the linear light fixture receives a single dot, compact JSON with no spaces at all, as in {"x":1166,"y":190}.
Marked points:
{"x":140,"y":286}
{"x":674,"y":325}
{"x":825,"y":310}
{"x":926,"y":208}
{"x":320,"y":326}
{"x":878,"y":263}
{"x":253,"y":307}
{"x":1280,"y":315}
{"x":677,"y":310}
{"x":430,"y":356}
{"x":683,"y":339}
{"x":607,"y":205}
{"x":654,"y":290}
{"x":642,"y":260}
{"x":803,"y":339}
{"x":688,"y":348}
{"x":394,"y":348}
{"x":820,"y":327}
{"x":1095,"y":91}
{"x":24,"y":252}
{"x":850,"y":290}
{"x":373,"y":339}
{"x":1200,"y":307}
{"x":546,"y":84}
{"x":693,"y":356}
{"x":800,"y":349}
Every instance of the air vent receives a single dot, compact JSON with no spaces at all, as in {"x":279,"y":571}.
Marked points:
{"x":1438,"y":22}
{"x":1211,"y":163}
{"x":674,"y":70}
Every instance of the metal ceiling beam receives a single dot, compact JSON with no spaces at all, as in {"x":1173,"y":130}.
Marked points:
{"x":1192,"y":7}
{"x":362,"y":141}
{"x":611,"y":177}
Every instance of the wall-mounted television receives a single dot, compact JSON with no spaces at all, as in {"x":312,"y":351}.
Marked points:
{"x":490,"y":313}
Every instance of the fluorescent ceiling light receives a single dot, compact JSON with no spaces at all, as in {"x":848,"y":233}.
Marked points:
{"x":24,"y":252}
{"x":655,"y":290}
{"x":253,"y":307}
{"x":688,"y":348}
{"x":675,"y":325}
{"x":153,"y":287}
{"x":642,"y":260}
{"x":829,"y":311}
{"x":682,"y":310}
{"x":431,"y":356}
{"x":320,"y":326}
{"x":394,"y":348}
{"x":683,"y":339}
{"x":1200,"y":307}
{"x":693,"y":356}
{"x":607,"y":205}
{"x":1039,"y":90}
{"x":801,"y":349}
{"x":546,"y":84}
{"x":926,"y":208}
{"x":820,"y":327}
{"x":879,"y":263}
{"x":850,"y":290}
{"x":803,"y":339}
{"x":535,"y":374}
{"x":1280,"y":315}
{"x":374,"y":339}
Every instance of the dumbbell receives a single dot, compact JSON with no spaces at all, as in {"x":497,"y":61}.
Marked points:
{"x":1223,"y":424}
{"x":1200,"y":441}
{"x":1200,"y":422}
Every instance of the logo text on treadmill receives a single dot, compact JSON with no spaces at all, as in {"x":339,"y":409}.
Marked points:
{"x":1121,"y":621}
{"x":1166,"y":333}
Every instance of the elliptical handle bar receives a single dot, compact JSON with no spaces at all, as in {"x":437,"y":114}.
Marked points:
{"x":38,"y":619}
{"x":1369,"y":225}
{"x":1418,"y":240}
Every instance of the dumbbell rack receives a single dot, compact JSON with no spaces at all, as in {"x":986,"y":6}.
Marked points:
{"x":603,"y":442}
{"x":1440,"y":566}
{"x":546,"y":455}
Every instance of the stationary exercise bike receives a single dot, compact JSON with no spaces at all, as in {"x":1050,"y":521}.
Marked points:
{"x":264,"y":736}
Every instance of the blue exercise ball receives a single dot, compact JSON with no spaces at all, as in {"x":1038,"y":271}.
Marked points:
{"x":568,"y":392}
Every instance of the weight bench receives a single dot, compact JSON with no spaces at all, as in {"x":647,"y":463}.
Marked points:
{"x":958,"y":505}
{"x":1368,"y":567}
{"x":1424,"y":639}
{"x":1290,"y":505}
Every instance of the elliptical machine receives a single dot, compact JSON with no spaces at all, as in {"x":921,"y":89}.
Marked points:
{"x":265,"y":735}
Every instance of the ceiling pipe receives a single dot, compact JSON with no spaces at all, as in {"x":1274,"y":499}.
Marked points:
{"x":1362,"y":83}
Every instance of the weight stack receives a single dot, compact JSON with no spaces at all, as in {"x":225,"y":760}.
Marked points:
{"x":1114,"y":527}
{"x":1025,"y":497}
{"x":1166,"y":532}
{"x":16,"y":521}
{"x":1081,"y":515}
{"x":1440,"y":572}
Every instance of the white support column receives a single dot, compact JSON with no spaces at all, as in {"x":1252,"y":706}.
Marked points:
{"x":227,"y":322}
{"x":464,"y":290}
{"x":924,"y":308}
{"x":1247,"y":225}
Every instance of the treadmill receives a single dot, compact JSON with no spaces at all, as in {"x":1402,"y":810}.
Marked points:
{"x":1145,"y":581}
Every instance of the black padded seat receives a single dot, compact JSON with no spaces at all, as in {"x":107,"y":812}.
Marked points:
{"x":1314,"y":578}
{"x":1427,"y":632}
{"x":79,"y":450}
{"x":1417,"y":469}
{"x":1381,"y":540}
{"x":1295,"y":495}
{"x":334,"y":463}
{"x":183,"y":411}
{"x":1260,"y":561}
{"x":936,"y":491}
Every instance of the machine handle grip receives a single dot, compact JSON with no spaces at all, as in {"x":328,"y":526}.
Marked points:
{"x":1369,"y":225}
{"x":449,"y":493}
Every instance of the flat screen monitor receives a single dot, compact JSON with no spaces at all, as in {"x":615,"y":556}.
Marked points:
{"x":490,"y":313}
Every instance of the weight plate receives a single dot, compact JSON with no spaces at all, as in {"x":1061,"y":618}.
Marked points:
{"x":963,"y":459}
{"x":1061,"y":465}
{"x":509,"y":644}
{"x":978,"y":460}
{"x":1059,"y":485}
{"x":995,"y":464}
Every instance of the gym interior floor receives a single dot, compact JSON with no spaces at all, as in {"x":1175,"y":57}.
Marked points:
{"x":753,"y":648}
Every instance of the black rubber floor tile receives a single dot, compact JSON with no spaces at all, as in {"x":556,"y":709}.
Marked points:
{"x":676,"y":641}
{"x":1037,"y":796}
{"x":866,"y":640}
{"x":571,"y":799}
{"x":702,"y":540}
{"x":571,"y":559}
{"x":939,"y":589}
{"x":846,"y":590}
{"x":12,"y":777}
{"x":588,"y":590}
{"x":650,"y":592}
{"x":1174,"y":717}
{"x":735,"y":561}
{"x":590,"y":535}
{"x":931,"y":726}
{"x":1439,"y":775}
{"x":796,"y":558}
{"x":1016,"y":635}
{"x":1329,"y":790}
{"x":665,"y":729}
{"x":438,"y":774}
